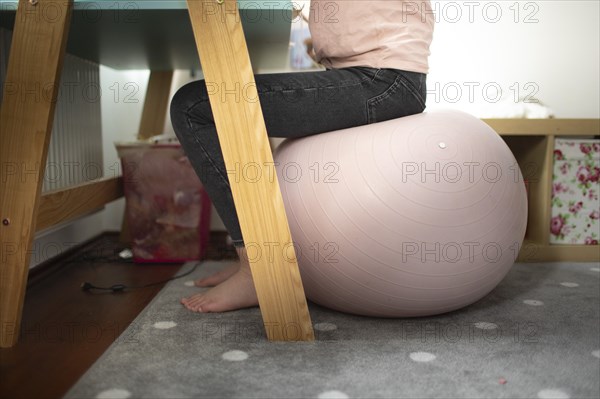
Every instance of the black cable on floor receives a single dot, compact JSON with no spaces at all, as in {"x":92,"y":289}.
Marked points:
{"x":86,"y":286}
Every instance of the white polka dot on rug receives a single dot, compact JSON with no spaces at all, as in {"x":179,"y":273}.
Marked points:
{"x":422,"y":356}
{"x":484,"y":325}
{"x":235,"y":356}
{"x":325,"y":326}
{"x":552,"y":394}
{"x":333,"y":395}
{"x":569,"y":284}
{"x":596,"y":353}
{"x":189,"y":283}
{"x":114,"y":393}
{"x":164,"y":325}
{"x":595,"y":269}
{"x":533,"y":302}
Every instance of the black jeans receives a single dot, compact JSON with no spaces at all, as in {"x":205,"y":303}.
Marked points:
{"x":294,"y":105}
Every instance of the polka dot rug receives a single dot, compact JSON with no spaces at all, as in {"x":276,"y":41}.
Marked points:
{"x":535,"y":336}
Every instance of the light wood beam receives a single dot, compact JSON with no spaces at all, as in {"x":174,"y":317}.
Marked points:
{"x":62,"y":205}
{"x":545,"y":127}
{"x":244,"y":141}
{"x":28,"y":102}
{"x":155,"y":104}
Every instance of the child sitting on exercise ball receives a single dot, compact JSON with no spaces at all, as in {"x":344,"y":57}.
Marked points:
{"x":376,"y":57}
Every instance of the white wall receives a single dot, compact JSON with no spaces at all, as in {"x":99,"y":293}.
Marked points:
{"x":551,"y":46}
{"x":121,"y":115}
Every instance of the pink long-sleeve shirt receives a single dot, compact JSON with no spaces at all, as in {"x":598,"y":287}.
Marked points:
{"x":374,"y":33}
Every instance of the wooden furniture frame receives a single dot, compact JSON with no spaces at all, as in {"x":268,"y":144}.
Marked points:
{"x":36,"y":57}
{"x":532,"y":143}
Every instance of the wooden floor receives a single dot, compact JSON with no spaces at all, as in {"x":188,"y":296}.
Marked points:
{"x":65,"y":330}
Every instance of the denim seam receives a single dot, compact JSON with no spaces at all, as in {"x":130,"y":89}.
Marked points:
{"x":376,"y":74}
{"x":387,"y":93}
{"x":346,"y":83}
{"x":399,"y":81}
{"x":349,"y":84}
{"x":373,"y":101}
{"x":410,"y":87}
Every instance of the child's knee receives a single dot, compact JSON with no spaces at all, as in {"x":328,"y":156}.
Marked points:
{"x":187,"y":96}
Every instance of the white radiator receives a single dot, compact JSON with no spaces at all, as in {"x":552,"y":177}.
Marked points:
{"x":75,"y":150}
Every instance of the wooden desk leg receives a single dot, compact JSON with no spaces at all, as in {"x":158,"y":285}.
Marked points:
{"x":152,"y":123}
{"x":29,"y":97}
{"x":156,"y":104}
{"x":245,"y":144}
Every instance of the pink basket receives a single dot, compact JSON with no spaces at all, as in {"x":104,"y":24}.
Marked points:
{"x":167,"y":208}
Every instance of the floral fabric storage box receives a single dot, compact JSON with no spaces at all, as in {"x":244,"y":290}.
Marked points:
{"x":575,"y":187}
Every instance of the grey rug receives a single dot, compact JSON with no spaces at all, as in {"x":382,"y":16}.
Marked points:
{"x":535,"y":336}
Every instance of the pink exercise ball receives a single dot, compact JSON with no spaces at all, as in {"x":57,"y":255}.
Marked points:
{"x":414,"y":216}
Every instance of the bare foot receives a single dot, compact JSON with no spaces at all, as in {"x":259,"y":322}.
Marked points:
{"x":218,"y":277}
{"x":236,"y":292}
